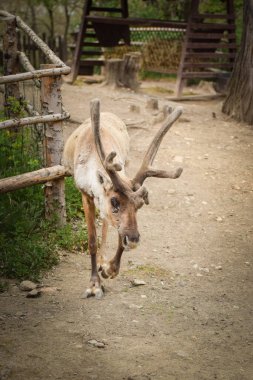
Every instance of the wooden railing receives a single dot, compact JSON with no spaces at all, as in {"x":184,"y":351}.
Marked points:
{"x":48,"y":80}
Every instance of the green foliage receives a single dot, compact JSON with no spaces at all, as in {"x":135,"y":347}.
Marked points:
{"x":29,"y":244}
{"x":3,"y":286}
{"x":73,"y":200}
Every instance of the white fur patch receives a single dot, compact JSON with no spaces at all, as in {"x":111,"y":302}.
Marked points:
{"x":87,"y":180}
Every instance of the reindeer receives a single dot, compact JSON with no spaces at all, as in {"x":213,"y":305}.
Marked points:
{"x":95,"y":155}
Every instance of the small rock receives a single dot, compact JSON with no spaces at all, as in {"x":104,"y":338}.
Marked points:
{"x":236,"y":187}
{"x":205,"y":270}
{"x":133,"y":306}
{"x":218,"y":267}
{"x":247,"y":263}
{"x":95,"y":343}
{"x":171,"y":191}
{"x":35,"y":293}
{"x":26,"y":286}
{"x":20,"y":314}
{"x":137,"y":282}
{"x":199,"y":275}
{"x":143,"y":296}
{"x":219,"y":219}
{"x":152,"y":104}
{"x":50,"y":289}
{"x":195,"y":266}
{"x":134,"y":108}
{"x":182,"y":354}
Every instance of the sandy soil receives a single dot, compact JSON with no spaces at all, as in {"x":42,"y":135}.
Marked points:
{"x":193,"y":318}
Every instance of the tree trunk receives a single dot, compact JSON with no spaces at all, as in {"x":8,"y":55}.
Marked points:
{"x":10,"y":62}
{"x":239,"y":101}
{"x":123,"y":72}
{"x":66,"y":31}
{"x":113,"y":69}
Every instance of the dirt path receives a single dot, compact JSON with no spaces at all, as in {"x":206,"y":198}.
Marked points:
{"x":193,"y":318}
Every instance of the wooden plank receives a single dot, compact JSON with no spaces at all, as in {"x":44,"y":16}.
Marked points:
{"x":209,"y":55}
{"x":91,"y":52}
{"x":32,"y":178}
{"x":211,"y":45}
{"x":180,"y":81}
{"x":211,"y":36}
{"x":79,"y":42}
{"x":208,"y":64}
{"x":212,"y":26}
{"x":124,"y":6}
{"x":88,"y":43}
{"x":106,"y":9}
{"x":92,"y":62}
{"x":137,"y":21}
{"x":213,"y":16}
{"x":195,"y":97}
{"x":202,"y":74}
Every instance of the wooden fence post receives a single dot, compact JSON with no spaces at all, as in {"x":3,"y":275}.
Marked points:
{"x":10,"y":59}
{"x":52,"y":103}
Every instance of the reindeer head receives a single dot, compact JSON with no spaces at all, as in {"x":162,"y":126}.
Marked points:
{"x":124,"y":196}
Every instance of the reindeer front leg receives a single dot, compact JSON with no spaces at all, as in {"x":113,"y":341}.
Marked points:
{"x":111,"y":269}
{"x":101,"y":258}
{"x":90,"y":216}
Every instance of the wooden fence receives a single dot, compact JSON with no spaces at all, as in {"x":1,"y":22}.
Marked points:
{"x":35,"y":54}
{"x":48,"y":80}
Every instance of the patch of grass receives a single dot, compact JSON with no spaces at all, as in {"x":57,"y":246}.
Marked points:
{"x":148,"y":270}
{"x":159,"y":90}
{"x":150,"y":75}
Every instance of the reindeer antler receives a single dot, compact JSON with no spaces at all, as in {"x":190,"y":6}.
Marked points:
{"x":146,"y":170}
{"x":107,"y":161}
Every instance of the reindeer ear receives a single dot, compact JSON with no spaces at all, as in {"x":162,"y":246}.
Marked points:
{"x":104,"y":180}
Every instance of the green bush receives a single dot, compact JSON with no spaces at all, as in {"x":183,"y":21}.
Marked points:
{"x":29,"y":245}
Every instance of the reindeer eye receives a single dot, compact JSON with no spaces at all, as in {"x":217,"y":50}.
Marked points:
{"x":115,"y":204}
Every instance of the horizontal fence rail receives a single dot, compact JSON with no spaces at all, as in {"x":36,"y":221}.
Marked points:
{"x":33,"y":120}
{"x":32,"y":178}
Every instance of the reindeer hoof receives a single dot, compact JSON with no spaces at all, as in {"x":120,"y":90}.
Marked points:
{"x":97,"y":292}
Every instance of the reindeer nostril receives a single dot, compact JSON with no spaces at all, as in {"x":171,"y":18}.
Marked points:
{"x":134,"y":238}
{"x":131,"y":239}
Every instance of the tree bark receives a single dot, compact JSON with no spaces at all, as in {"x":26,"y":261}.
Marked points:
{"x":113,"y":69}
{"x":32,"y":178}
{"x":123,"y":72}
{"x":10,"y":61}
{"x":52,"y":103}
{"x":239,"y":101}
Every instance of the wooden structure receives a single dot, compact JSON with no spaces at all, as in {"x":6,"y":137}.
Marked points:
{"x":97,"y":32}
{"x":48,"y":78}
{"x":209,"y":48}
